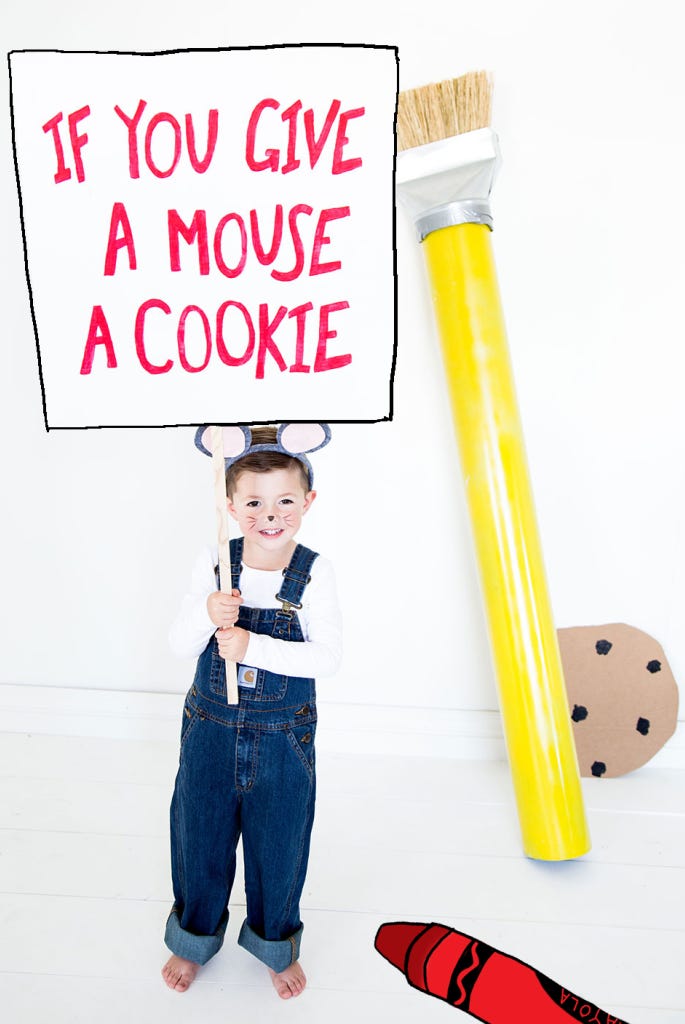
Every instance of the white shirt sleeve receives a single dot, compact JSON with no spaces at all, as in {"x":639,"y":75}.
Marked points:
{"x":320,"y":618}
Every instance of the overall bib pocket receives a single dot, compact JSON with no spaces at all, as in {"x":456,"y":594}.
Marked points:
{"x":253,"y":684}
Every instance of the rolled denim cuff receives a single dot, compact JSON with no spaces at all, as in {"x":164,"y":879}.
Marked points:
{"x":198,"y":948}
{"x":276,"y":954}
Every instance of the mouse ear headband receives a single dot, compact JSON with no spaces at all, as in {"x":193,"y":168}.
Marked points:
{"x":293,"y":439}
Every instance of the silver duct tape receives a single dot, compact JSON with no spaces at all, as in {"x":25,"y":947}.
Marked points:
{"x":467,"y":211}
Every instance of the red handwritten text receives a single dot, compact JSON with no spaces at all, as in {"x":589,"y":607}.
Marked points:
{"x":172,"y":141}
{"x":238,"y":337}
{"x":233,"y":235}
{"x":271,"y":159}
{"x":77,"y":141}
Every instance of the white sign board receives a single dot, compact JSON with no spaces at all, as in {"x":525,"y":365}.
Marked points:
{"x":209,"y":234}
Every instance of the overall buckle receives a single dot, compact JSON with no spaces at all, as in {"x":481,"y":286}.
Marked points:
{"x":287,"y":607}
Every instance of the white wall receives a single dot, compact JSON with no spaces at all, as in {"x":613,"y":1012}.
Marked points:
{"x":99,"y":528}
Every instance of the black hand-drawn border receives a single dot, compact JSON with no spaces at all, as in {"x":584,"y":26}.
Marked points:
{"x":217,"y":49}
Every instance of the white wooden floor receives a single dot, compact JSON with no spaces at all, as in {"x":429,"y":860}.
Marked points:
{"x":84,"y":889}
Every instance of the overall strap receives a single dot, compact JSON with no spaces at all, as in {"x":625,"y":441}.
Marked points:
{"x":236,"y":546}
{"x":296,"y":576}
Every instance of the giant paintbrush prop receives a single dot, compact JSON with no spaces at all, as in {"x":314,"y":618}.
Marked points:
{"x":444,"y":177}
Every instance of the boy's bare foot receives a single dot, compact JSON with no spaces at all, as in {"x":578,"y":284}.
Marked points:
{"x":179,"y":974}
{"x":289,"y":982}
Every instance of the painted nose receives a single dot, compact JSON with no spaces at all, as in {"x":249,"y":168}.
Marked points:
{"x":271,"y":518}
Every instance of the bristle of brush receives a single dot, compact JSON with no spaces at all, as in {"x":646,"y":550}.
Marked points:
{"x":443,"y":109}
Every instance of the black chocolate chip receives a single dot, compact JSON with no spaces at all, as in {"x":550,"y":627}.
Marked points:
{"x":654,"y":666}
{"x":642,"y":726}
{"x":579,"y":713}
{"x":598,"y":768}
{"x":603,"y":646}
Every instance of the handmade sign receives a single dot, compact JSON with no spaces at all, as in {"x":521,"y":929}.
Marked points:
{"x":209,"y":235}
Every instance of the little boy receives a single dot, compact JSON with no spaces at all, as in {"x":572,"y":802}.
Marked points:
{"x":249,"y":768}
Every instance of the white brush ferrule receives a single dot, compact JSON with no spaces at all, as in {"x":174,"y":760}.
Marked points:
{"x":449,"y":182}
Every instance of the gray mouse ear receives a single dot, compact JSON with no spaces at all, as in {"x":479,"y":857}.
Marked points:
{"x":298,"y":438}
{"x":236,"y":441}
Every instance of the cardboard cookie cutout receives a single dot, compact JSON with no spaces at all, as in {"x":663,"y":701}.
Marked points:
{"x":622,"y":694}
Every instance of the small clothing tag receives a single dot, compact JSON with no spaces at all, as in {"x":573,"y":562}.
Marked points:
{"x":247,"y":676}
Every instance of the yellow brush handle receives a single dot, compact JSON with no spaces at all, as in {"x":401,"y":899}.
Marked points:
{"x":532,"y":696}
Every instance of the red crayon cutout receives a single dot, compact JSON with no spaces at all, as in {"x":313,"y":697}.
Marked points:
{"x":492,"y":986}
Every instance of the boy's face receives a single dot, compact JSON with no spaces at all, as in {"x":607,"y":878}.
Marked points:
{"x":269,"y":507}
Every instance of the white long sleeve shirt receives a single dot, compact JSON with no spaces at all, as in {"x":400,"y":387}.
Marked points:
{"x":319,"y":617}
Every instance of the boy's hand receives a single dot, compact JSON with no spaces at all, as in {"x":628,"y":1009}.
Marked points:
{"x":232,"y":643}
{"x":223,"y":608}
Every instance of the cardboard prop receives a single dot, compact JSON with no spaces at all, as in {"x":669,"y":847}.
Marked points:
{"x":444,"y":180}
{"x":623,"y":698}
{"x":486,"y":983}
{"x":209,"y":236}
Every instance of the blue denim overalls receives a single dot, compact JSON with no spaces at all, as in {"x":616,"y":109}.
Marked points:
{"x":245,"y":768}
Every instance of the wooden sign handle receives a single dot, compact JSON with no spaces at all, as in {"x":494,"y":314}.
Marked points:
{"x":224,"y":548}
